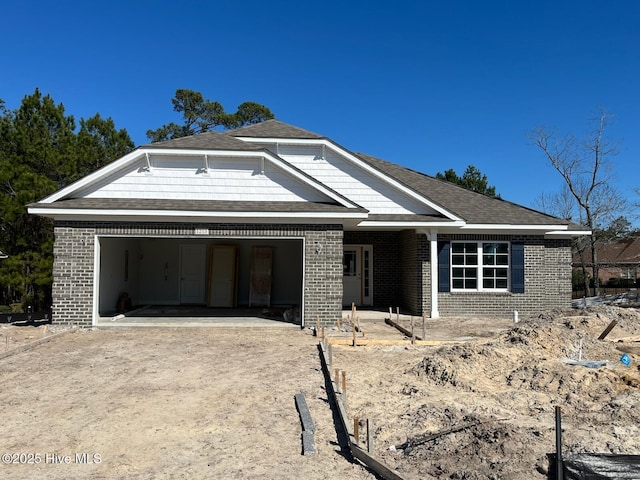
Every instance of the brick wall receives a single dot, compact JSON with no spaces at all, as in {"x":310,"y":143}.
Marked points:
{"x":547,"y":281}
{"x":416,"y":274}
{"x":73,"y":275}
{"x":401,"y":271}
{"x":73,"y":267}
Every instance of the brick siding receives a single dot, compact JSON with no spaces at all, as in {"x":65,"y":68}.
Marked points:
{"x":547,"y":281}
{"x":401,"y":269}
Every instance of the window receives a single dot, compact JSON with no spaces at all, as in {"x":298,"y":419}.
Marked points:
{"x":349,"y":264}
{"x":479,"y":266}
{"x":628,"y":273}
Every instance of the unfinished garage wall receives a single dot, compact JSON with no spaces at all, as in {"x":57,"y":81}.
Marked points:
{"x":119,"y":272}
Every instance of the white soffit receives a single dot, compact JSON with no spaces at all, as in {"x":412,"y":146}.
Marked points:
{"x":363,"y":165}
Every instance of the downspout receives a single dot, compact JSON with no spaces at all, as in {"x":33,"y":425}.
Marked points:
{"x":432,"y":236}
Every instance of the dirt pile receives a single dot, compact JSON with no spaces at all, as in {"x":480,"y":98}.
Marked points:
{"x":485,"y":409}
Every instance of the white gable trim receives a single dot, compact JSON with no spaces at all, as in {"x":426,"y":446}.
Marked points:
{"x":325,"y":143}
{"x":96,"y":176}
{"x":134,"y":156}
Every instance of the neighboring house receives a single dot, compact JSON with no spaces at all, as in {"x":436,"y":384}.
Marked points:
{"x":619,"y":262}
{"x":271,"y":214}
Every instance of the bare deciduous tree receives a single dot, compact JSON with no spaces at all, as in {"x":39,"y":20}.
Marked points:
{"x":585,"y":165}
{"x":560,"y":204}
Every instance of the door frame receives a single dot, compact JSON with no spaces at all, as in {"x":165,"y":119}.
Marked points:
{"x":364,"y":266}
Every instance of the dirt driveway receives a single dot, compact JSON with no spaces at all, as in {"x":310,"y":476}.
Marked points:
{"x":188,"y":403}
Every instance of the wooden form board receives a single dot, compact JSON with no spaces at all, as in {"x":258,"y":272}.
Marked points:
{"x":260,"y":279}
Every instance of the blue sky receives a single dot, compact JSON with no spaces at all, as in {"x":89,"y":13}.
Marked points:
{"x":429,"y":85}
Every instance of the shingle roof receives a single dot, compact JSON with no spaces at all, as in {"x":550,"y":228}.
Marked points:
{"x":471,"y":206}
{"x":273,"y":129}
{"x":622,"y":252}
{"x":194,"y":205}
{"x":205,"y":141}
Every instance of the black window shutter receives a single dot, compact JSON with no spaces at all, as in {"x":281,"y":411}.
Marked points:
{"x":517,"y":267}
{"x":443,"y":266}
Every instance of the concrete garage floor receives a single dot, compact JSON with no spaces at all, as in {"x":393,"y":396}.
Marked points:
{"x":198,"y":316}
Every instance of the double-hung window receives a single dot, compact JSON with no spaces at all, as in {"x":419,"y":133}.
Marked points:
{"x":480,"y":266}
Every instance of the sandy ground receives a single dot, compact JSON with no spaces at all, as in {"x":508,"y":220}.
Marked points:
{"x":500,"y":390}
{"x":219,"y":402}
{"x":188,"y":403}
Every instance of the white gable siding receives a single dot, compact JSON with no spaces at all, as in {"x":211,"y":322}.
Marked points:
{"x":350,"y":180}
{"x":228,"y":179}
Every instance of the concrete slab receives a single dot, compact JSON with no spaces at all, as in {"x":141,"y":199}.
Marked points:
{"x":186,"y":316}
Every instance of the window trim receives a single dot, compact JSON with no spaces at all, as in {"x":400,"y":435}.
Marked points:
{"x":479,"y":267}
{"x":628,"y":273}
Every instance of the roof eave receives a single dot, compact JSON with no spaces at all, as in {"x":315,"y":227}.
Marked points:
{"x":186,"y":216}
{"x":409,"y":224}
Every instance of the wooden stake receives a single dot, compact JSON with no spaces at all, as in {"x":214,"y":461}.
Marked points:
{"x":424,"y":325}
{"x":397,"y":314}
{"x":356,"y":429}
{"x":607,"y":330}
{"x":339,"y":324}
{"x":369,"y":436}
{"x":318,"y":326}
{"x":344,"y":387}
{"x":353,"y":330}
{"x":323,"y":333}
{"x":330,"y":354}
{"x":413,"y":335}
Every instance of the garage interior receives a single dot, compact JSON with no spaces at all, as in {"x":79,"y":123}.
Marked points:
{"x":142,"y":279}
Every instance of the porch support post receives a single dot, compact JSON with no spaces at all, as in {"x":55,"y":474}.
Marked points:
{"x":432,"y":236}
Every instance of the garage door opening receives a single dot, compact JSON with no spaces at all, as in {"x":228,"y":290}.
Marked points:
{"x":198,"y":279}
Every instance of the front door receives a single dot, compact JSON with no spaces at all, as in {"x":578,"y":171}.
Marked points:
{"x":357,"y":270}
{"x":192,"y":274}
